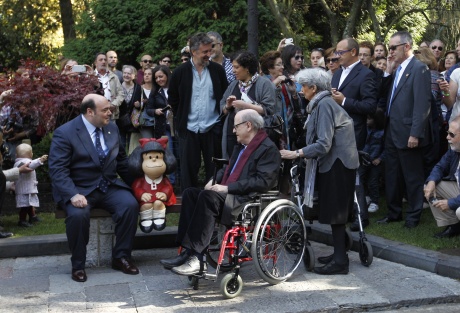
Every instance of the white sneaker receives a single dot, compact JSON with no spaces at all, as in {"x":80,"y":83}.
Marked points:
{"x":373,"y":207}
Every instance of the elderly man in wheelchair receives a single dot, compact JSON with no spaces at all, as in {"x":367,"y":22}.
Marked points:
{"x":253,"y":167}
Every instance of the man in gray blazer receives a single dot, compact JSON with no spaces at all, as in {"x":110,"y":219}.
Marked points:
{"x":407,"y":131}
{"x":84,"y":160}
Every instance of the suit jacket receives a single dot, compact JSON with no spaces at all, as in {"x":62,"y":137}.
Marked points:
{"x":74,"y":165}
{"x":260,"y":174}
{"x":180,"y":91}
{"x":360,"y":91}
{"x":410,"y":109}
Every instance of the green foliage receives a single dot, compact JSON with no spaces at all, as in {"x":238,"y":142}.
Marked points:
{"x":49,"y":225}
{"x":42,"y":148}
{"x":133,"y":29}
{"x":26,"y":30}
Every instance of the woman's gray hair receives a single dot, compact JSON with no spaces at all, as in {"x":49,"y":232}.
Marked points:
{"x":132,"y":68}
{"x":250,"y":115}
{"x":314,"y":77}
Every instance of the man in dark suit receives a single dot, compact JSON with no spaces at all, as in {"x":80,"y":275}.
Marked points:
{"x":84,"y":160}
{"x":195,"y":91}
{"x":407,"y":130}
{"x":354,"y":88}
{"x":253,"y":167}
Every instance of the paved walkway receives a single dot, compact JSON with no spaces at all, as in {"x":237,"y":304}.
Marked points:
{"x":43,"y":284}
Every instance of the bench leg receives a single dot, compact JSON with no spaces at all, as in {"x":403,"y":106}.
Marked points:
{"x":101,"y":242}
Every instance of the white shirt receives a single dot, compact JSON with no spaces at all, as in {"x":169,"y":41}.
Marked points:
{"x":92,"y":132}
{"x":346,"y":71}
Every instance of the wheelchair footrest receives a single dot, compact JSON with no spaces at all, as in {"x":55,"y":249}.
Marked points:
{"x":210,"y":276}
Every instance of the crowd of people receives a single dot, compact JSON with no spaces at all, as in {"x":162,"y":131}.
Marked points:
{"x":394,"y":102}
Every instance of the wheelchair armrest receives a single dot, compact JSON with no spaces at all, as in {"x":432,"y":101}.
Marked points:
{"x":219,"y":163}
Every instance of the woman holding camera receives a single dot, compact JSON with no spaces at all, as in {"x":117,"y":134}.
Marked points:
{"x":157,"y":105}
{"x":248,"y":91}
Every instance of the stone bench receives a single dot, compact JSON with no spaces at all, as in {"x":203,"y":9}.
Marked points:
{"x":102,"y":234}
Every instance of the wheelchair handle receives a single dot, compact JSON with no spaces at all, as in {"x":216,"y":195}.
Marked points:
{"x":219,"y":163}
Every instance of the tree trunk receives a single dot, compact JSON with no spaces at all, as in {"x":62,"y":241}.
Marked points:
{"x":332,"y":21}
{"x":283,"y":21}
{"x":351,"y":21}
{"x":375,"y":22}
{"x":68,"y":24}
{"x":253,"y":27}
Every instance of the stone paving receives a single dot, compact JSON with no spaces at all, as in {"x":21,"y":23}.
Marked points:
{"x":43,"y":284}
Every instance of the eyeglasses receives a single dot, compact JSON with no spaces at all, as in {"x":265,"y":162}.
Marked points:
{"x":297,"y":57}
{"x":236,"y":125}
{"x":451,"y":134}
{"x":342,"y":52}
{"x":436,"y":47}
{"x":166,"y":61}
{"x":147,"y":61}
{"x":392,"y":48}
{"x":184,"y":59}
{"x":364,"y":55}
{"x":279,"y":65}
{"x":333,"y":60}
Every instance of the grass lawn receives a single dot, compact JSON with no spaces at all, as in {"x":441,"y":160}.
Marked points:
{"x":421,"y":236}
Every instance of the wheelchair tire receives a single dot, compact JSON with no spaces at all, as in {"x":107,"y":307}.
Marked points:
{"x":213,"y":251}
{"x":231,"y":287}
{"x":348,"y":239}
{"x":309,"y":258}
{"x":366,"y":255}
{"x":278,"y":241}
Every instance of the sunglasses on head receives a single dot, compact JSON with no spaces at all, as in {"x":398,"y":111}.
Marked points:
{"x":436,"y":47}
{"x":333,"y":60}
{"x":147,"y":61}
{"x":297,"y":57}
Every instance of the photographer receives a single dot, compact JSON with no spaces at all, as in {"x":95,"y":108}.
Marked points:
{"x":442,"y":186}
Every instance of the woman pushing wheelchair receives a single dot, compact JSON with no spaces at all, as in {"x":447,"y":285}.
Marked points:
{"x":331,"y":140}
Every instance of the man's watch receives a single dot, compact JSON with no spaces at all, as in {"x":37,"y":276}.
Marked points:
{"x":298,"y":154}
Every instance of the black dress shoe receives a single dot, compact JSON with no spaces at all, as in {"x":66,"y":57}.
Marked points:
{"x":410,"y":225}
{"x":145,"y":229}
{"x":5,"y":235}
{"x":326,"y":259}
{"x":192,"y":266}
{"x":159,"y":226}
{"x":332,"y":268}
{"x":355,"y":225}
{"x":387,"y":220}
{"x":176,"y":261}
{"x":449,"y":232}
{"x":79,"y":275}
{"x":125,"y":265}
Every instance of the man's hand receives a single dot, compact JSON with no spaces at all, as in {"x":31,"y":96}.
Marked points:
{"x":442,"y":205}
{"x":337,"y":96}
{"x":25,"y":168}
{"x":376,"y":161}
{"x":219,"y":188}
{"x":412,"y":142}
{"x":429,"y":190}
{"x":79,"y":201}
{"x":146,"y":197}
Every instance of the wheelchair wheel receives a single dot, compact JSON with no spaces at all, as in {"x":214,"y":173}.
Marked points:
{"x":348,"y":239}
{"x":230,"y":286}
{"x":309,"y":258}
{"x":212,"y":253}
{"x":279,"y":240}
{"x":366,"y":255}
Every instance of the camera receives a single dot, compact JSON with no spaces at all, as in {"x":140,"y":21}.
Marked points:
{"x":78,"y":68}
{"x":166,"y":108}
{"x":433,"y":200}
{"x":289,"y":41}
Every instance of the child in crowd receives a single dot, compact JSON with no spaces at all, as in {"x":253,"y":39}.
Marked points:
{"x":381,"y":63}
{"x":26,"y":185}
{"x":370,"y":175}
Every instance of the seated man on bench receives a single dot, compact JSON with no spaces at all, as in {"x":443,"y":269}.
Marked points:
{"x":84,"y":160}
{"x":253,"y":167}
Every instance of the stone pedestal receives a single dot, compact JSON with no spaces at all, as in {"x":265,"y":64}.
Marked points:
{"x":101,"y":241}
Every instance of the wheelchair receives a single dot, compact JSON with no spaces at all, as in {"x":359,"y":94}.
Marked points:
{"x":271,"y":232}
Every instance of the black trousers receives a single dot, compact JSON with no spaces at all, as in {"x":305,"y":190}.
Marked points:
{"x":191,"y":147}
{"x":403,"y":168}
{"x":123,"y":207}
{"x":200,"y":209}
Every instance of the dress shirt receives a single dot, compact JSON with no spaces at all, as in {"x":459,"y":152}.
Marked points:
{"x":346,"y":71}
{"x":104,"y":80}
{"x":92,"y":132}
